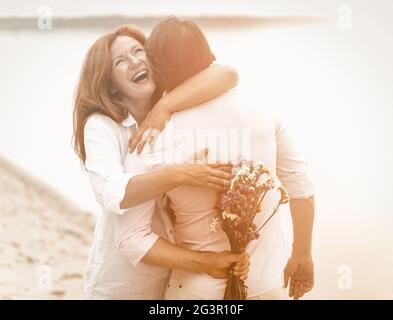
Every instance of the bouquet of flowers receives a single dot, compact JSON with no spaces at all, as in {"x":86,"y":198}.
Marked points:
{"x":237,"y":208}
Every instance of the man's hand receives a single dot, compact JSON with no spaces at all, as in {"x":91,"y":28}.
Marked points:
{"x":299,"y":272}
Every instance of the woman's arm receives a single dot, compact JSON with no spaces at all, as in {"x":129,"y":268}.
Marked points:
{"x":144,"y":187}
{"x":116,"y":189}
{"x":205,"y":85}
{"x":147,"y":186}
{"x":217,"y":264}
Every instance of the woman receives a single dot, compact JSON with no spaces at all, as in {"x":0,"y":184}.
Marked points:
{"x":116,"y":92}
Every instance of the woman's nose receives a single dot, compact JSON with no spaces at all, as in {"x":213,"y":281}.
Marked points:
{"x":133,"y":61}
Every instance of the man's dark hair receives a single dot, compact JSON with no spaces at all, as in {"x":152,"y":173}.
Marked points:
{"x":177,"y":50}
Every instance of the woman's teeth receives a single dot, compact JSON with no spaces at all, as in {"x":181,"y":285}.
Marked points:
{"x":140,"y":76}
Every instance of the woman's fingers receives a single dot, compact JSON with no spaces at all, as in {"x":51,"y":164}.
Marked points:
{"x":242,"y":267}
{"x":218,"y":181}
{"x":198,"y":156}
{"x":215,"y":187}
{"x":224,"y":169}
{"x":136,"y":138}
{"x":225,"y":166}
{"x":140,"y":146}
{"x":220,"y":174}
{"x":148,"y":136}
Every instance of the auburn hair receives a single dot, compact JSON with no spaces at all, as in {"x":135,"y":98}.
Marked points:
{"x":92,"y":93}
{"x":176,"y":51}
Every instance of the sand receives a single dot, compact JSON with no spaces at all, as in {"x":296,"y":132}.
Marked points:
{"x":44,"y":240}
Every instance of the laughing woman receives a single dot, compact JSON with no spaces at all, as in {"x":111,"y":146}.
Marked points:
{"x":117,"y":94}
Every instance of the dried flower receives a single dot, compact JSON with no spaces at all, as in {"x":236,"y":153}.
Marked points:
{"x":237,"y":208}
{"x":214,"y":224}
{"x":230,"y":216}
{"x":284,"y":198}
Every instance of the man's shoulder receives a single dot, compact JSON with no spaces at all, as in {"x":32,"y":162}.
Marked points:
{"x":227,"y":100}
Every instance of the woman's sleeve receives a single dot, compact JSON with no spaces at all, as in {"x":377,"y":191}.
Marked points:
{"x":103,"y":162}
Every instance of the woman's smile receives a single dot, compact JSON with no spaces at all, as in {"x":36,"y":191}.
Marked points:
{"x":141,"y":76}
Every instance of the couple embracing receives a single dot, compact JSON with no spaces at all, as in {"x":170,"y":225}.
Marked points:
{"x":140,"y":105}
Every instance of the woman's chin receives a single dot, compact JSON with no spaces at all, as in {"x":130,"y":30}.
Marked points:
{"x":142,"y":90}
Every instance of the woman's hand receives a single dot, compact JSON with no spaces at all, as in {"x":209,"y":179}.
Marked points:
{"x":215,"y":176}
{"x":196,"y":173}
{"x":220,"y":264}
{"x":152,"y":125}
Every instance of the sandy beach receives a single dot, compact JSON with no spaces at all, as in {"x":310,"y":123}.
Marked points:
{"x":44,"y":240}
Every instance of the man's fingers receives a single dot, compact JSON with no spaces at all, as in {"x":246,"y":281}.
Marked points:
{"x":289,"y":270}
{"x":308,"y":286}
{"x":286,"y":279}
{"x":302,"y":289}
{"x":296,"y":289}
{"x":291,"y":287}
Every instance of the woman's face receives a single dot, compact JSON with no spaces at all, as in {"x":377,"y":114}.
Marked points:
{"x":130,"y":74}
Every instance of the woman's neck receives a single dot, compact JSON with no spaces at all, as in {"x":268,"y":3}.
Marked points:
{"x":139,"y":108}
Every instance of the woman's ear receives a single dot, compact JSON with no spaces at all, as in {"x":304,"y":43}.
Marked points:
{"x":112,"y":90}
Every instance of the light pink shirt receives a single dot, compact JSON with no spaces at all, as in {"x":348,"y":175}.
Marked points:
{"x":259,"y":137}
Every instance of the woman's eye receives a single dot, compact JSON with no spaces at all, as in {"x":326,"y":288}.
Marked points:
{"x":118,"y":62}
{"x":138,"y":50}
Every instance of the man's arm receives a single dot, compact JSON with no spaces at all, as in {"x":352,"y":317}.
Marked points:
{"x":292,"y":171}
{"x":203,"y":86}
{"x":302,"y":212}
{"x":300,"y":269}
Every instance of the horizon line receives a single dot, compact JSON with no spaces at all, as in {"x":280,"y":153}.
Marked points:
{"x":105,"y":21}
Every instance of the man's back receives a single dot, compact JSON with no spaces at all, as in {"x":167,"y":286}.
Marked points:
{"x":230,"y":128}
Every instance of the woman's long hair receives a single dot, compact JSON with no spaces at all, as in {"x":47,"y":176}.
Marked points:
{"x":92,"y":93}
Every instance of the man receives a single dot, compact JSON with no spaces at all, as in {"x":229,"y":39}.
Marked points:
{"x":178,"y":50}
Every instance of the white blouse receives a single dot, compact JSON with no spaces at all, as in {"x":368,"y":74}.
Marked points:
{"x":109,"y":274}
